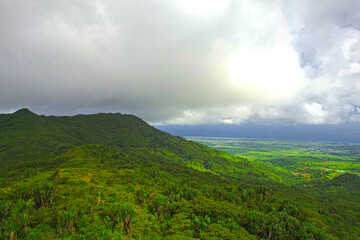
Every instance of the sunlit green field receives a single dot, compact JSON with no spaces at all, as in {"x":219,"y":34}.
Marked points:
{"x":305,"y":160}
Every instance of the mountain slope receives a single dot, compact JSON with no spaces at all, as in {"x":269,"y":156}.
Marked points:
{"x":112,"y":176}
{"x":25,"y":136}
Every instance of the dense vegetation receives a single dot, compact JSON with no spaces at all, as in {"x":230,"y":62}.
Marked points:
{"x":112,"y":176}
{"x":308,"y":161}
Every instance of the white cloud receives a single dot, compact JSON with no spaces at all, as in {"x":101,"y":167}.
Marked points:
{"x":183,"y":61}
{"x":203,"y":7}
{"x":354,"y":69}
{"x":274,"y":74}
{"x":347,"y":48}
{"x":316,"y":112}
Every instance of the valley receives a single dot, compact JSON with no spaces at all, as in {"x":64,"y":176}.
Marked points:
{"x":113,"y":176}
{"x":305,"y":160}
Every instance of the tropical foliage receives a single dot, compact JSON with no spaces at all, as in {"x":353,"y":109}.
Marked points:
{"x":112,"y":176}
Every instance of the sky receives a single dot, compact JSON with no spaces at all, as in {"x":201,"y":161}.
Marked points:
{"x":184,"y":62}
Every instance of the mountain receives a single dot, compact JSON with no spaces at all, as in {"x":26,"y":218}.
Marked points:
{"x":27,"y":137}
{"x":113,"y":176}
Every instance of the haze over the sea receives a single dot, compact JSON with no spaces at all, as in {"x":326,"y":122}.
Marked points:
{"x":347,"y":132}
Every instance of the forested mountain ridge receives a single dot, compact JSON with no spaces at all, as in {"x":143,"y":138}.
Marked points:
{"x":113,"y":176}
{"x":27,"y":136}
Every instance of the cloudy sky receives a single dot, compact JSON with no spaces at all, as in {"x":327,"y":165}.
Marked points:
{"x":183,"y":61}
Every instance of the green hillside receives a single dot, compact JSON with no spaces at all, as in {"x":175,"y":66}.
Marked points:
{"x":113,"y":176}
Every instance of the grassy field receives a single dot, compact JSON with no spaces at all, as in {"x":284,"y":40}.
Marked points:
{"x":305,"y":160}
